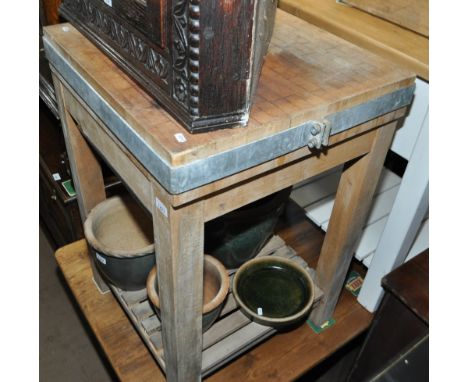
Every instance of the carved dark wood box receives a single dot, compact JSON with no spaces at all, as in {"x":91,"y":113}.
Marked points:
{"x":200,"y":59}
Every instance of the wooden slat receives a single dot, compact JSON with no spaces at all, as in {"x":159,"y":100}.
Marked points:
{"x":381,"y":205}
{"x":320,"y":211}
{"x":229,"y":329}
{"x":247,"y":336}
{"x":369,"y":239}
{"x":133,"y":297}
{"x":142,"y":310}
{"x":151,"y":324}
{"x":271,"y":246}
{"x":224,"y":328}
{"x":421,"y":242}
{"x":387,"y":180}
{"x":319,"y":198}
{"x":317,"y":189}
{"x":229,"y":305}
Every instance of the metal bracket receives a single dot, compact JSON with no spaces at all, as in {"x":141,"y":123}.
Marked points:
{"x":319,"y":134}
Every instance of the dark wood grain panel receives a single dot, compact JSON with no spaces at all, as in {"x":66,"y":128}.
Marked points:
{"x":226,"y":60}
{"x":200,"y":60}
{"x":50,"y":9}
{"x":410,"y":284}
{"x":156,"y":17}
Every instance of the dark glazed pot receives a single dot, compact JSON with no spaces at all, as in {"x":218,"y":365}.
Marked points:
{"x":273,"y":291}
{"x":239,"y":235}
{"x":215,"y":290}
{"x":121,"y":233}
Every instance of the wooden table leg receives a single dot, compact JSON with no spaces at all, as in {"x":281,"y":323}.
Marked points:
{"x":179,"y":236}
{"x":352,"y":203}
{"x":86,"y":171}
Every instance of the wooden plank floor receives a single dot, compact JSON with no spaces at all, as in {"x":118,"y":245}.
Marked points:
{"x":284,"y":357}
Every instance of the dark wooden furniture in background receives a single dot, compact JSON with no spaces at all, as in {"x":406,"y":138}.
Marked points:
{"x":397,"y":342}
{"x":200,"y":60}
{"x":48,"y":15}
{"x":50,"y":12}
{"x":59,"y":211}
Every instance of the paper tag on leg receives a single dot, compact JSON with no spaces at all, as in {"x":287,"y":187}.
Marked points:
{"x":161,"y":207}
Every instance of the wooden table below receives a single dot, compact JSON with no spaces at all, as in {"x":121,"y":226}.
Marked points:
{"x":284,"y":357}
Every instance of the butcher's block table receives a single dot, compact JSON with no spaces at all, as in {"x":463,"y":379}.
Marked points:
{"x":321,"y":102}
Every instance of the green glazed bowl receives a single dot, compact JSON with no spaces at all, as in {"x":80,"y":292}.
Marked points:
{"x":273,"y":291}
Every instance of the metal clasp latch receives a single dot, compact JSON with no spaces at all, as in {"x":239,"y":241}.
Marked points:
{"x":319,"y":134}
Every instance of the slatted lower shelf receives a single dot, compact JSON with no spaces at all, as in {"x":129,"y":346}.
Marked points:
{"x":232,"y":334}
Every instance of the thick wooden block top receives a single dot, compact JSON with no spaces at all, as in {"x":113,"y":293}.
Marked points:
{"x":403,"y":46}
{"x":307,"y":74}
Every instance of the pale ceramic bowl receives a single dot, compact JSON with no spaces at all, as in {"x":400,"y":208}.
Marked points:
{"x":215,"y":290}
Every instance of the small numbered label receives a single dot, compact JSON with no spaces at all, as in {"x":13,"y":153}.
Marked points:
{"x":180,"y":138}
{"x":161,"y":207}
{"x":100,"y":258}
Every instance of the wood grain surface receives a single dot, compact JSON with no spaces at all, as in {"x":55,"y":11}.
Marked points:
{"x":85,"y":167}
{"x":50,"y":8}
{"x":410,"y":14}
{"x":402,"y":46}
{"x":308,"y":73}
{"x":353,"y":199}
{"x":179,"y":239}
{"x":410,"y":284}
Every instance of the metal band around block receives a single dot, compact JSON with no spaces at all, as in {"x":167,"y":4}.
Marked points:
{"x":183,"y":178}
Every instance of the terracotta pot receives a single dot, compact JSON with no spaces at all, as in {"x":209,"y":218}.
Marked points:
{"x":121,"y":233}
{"x":215,"y":290}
